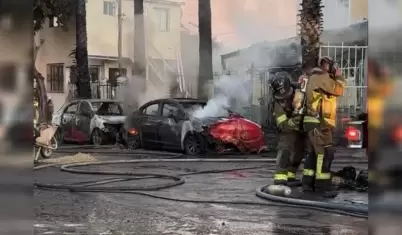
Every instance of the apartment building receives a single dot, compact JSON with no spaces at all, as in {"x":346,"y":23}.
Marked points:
{"x":162,"y":36}
{"x":358,"y":11}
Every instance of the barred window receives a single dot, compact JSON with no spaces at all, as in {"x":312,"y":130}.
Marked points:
{"x":94,"y":71}
{"x":55,"y":78}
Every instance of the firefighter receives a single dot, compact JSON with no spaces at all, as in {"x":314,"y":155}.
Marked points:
{"x":324,"y":85}
{"x":380,"y":87}
{"x":290,"y":144}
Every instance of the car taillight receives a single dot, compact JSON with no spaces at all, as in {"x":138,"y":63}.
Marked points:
{"x":132,"y":131}
{"x":352,"y":134}
{"x":398,"y":134}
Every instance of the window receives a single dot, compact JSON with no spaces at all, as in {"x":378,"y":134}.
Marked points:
{"x":109,"y":8}
{"x":84,"y":107}
{"x":72,"y":108}
{"x":93,"y":73}
{"x":163,"y":19}
{"x":169,"y":109}
{"x":107,"y":108}
{"x":55,"y":77}
{"x":152,"y":109}
{"x":54,"y":22}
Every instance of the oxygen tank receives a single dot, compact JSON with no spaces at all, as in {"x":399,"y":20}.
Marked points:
{"x":279,"y":190}
{"x":300,"y":96}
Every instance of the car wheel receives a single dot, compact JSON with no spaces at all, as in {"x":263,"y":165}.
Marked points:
{"x":194,"y":144}
{"x":133,"y":142}
{"x":97,"y":137}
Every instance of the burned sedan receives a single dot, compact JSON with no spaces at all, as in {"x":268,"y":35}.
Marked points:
{"x":90,"y":120}
{"x":169,"y":124}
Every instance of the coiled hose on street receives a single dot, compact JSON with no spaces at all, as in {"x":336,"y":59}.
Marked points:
{"x":93,"y":186}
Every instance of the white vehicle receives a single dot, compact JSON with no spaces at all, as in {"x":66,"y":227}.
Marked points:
{"x":90,"y":120}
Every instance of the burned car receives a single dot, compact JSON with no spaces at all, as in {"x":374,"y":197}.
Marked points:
{"x":169,"y":124}
{"x":90,"y":120}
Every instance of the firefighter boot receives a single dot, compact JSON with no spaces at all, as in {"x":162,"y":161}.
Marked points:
{"x":309,"y":173}
{"x":295,"y":162}
{"x":323,"y":183}
{"x":292,"y":181}
{"x":282,"y":161}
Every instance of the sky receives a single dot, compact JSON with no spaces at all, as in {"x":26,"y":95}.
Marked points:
{"x":240,"y":23}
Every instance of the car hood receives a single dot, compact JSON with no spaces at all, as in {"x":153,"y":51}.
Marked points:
{"x":112,"y":119}
{"x":209,"y":120}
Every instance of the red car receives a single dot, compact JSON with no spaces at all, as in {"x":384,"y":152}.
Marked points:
{"x":168,"y":124}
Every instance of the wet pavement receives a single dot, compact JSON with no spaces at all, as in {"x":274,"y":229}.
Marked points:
{"x":113,"y":213}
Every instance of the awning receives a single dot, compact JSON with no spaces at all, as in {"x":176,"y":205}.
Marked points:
{"x":110,"y":58}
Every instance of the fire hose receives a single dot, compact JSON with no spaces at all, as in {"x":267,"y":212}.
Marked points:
{"x":93,"y":186}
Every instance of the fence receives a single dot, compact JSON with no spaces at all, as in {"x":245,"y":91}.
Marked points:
{"x":352,"y":62}
{"x":101,"y":90}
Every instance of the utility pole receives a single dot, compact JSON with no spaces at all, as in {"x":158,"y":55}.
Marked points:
{"x":119,"y":43}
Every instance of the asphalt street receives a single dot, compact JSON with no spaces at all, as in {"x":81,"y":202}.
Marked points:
{"x":117,"y":213}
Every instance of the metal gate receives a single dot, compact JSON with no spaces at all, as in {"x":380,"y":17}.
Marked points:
{"x":352,"y":61}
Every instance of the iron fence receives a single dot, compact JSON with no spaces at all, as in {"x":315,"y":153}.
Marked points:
{"x":352,"y":62}
{"x":102,"y":90}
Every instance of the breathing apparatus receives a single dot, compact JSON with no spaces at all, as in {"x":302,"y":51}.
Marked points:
{"x":299,"y":102}
{"x":332,"y":65}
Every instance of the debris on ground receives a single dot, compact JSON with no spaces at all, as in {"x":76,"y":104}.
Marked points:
{"x":77,"y":158}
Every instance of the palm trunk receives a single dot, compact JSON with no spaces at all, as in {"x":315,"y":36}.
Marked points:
{"x":81,"y":55}
{"x":310,"y":31}
{"x":205,"y":72}
{"x":43,"y":108}
{"x":139,"y":40}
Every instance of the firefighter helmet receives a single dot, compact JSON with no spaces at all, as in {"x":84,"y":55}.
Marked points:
{"x":332,"y":64}
{"x":281,"y":85}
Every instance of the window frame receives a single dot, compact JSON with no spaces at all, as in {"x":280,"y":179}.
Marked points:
{"x":109,"y":8}
{"x":79,"y":112}
{"x":145,"y":107}
{"x":53,"y":83}
{"x":179,"y":109}
{"x":159,"y":11}
{"x":69,"y":105}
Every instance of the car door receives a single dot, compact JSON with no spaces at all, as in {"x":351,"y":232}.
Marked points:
{"x":170,"y":128}
{"x":149,"y":121}
{"x":83,"y":121}
{"x":67,"y":120}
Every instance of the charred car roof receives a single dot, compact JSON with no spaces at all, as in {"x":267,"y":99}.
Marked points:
{"x":181,"y":100}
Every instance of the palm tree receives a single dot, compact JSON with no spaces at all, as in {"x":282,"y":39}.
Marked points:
{"x":205,"y":69}
{"x":311,"y":26}
{"x":139,"y":39}
{"x":81,"y":55}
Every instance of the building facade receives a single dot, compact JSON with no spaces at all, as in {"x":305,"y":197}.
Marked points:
{"x":162,"y":39}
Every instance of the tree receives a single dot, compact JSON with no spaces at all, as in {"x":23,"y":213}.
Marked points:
{"x":81,"y":51}
{"x":42,"y":10}
{"x":139,"y":40}
{"x":311,"y":27}
{"x":205,"y":71}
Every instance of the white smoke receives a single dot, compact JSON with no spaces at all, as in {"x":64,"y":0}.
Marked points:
{"x":137,"y":91}
{"x":230,"y":93}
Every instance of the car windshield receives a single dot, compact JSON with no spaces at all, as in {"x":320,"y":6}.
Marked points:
{"x":107,"y":108}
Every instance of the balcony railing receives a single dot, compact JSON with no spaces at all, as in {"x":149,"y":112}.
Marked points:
{"x":102,"y":90}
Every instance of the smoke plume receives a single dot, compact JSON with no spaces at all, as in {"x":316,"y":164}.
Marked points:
{"x":230,"y":93}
